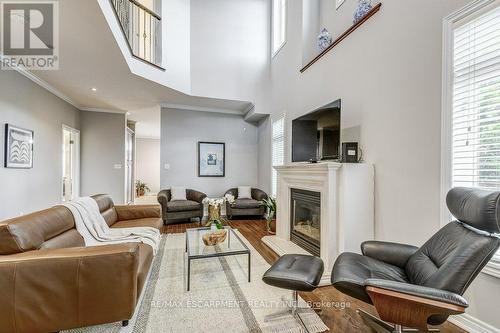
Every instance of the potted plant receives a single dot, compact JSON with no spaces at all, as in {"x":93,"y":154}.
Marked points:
{"x":141,"y":188}
{"x":270,"y":204}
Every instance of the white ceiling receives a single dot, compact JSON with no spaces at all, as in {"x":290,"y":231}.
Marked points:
{"x":90,"y":57}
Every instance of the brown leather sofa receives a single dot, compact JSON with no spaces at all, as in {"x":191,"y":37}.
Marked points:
{"x":49,"y":281}
{"x":181,"y":210}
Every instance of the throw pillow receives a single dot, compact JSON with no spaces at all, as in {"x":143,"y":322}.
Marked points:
{"x":178,"y":193}
{"x":244,"y":192}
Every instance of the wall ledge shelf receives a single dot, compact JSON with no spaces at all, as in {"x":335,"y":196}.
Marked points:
{"x":365,"y":18}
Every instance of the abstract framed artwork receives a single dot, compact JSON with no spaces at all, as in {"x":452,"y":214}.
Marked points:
{"x":211,"y":159}
{"x":18,"y":147}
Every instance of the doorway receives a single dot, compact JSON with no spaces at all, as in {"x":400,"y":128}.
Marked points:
{"x":129,"y":166}
{"x":71,"y":163}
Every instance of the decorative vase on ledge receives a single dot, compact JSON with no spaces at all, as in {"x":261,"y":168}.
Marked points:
{"x":324,"y":39}
{"x":364,"y":6}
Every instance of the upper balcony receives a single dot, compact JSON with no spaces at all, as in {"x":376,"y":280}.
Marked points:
{"x":142,"y":28}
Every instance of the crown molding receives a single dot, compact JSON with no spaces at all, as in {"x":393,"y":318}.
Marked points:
{"x":44,"y":84}
{"x":26,"y":73}
{"x":201,"y":108}
{"x":249,"y":109}
{"x":103,"y":110}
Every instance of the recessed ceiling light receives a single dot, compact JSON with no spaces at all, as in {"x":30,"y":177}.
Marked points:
{"x":94,"y":89}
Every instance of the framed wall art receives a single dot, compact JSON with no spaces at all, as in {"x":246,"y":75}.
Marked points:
{"x":18,"y":147}
{"x":211,"y":159}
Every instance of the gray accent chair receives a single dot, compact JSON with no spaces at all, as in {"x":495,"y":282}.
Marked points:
{"x":246,"y":207}
{"x":181,"y":210}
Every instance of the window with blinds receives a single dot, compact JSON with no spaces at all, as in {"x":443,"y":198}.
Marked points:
{"x":278,"y":149}
{"x":476,"y":102}
{"x":279,"y":25}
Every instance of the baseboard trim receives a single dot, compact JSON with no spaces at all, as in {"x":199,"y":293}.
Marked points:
{"x":472,"y":324}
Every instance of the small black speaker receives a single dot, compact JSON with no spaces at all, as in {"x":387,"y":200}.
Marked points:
{"x":350,"y":152}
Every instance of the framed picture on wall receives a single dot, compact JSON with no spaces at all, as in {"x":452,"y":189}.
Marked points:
{"x":211,"y":159}
{"x":18,"y":147}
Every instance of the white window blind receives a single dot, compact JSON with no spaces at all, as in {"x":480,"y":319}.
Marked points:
{"x":278,"y":149}
{"x":476,"y":102}
{"x":279,"y":25}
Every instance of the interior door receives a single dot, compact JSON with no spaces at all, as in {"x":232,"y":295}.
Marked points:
{"x":70,"y":170}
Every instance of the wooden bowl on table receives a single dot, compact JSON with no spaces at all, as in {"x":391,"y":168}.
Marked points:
{"x":214,"y":238}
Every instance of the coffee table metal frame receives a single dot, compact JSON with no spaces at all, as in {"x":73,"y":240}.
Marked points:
{"x":230,"y":232}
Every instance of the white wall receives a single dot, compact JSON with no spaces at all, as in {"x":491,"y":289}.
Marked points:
{"x":311,"y":25}
{"x":230,"y":50}
{"x":388,"y":75}
{"x":148,"y":162}
{"x":176,"y":45}
{"x":182,"y":129}
{"x":389,"y":81}
{"x":27,"y":105}
{"x":102,"y":151}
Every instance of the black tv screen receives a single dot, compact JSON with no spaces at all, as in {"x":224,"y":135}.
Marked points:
{"x":316,"y":136}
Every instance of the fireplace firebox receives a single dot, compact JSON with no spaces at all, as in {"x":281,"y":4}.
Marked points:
{"x":305,"y":220}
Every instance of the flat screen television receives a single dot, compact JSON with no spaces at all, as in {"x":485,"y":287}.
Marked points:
{"x":316,"y":135}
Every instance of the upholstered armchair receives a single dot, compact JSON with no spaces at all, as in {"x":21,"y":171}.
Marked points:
{"x":415,"y":287}
{"x":246,"y":207}
{"x":179,"y":210}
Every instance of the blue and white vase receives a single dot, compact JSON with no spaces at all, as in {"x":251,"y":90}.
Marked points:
{"x":364,"y":6}
{"x":324,"y":39}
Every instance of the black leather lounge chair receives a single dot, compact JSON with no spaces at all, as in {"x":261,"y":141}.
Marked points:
{"x":415,"y":287}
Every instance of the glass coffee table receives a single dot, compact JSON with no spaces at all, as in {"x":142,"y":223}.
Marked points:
{"x":196,"y":249}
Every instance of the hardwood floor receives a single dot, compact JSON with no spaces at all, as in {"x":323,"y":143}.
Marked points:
{"x":341,"y":315}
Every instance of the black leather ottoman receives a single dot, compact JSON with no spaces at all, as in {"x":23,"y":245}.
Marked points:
{"x":296,"y":272}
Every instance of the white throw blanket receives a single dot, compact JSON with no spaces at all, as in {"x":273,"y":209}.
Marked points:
{"x":95,"y":231}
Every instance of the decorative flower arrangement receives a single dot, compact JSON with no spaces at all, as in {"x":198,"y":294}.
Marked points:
{"x":214,"y":205}
{"x":213,"y":202}
{"x":229,"y":198}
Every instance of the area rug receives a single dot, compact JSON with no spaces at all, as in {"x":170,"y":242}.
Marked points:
{"x":220,"y":300}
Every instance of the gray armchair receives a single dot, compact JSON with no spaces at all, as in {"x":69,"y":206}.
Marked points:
{"x":246,"y":207}
{"x":177,"y":211}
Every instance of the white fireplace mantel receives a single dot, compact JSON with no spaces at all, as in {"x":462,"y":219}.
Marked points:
{"x":347,"y":207}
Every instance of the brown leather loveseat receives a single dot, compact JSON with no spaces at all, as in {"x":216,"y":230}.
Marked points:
{"x":49,"y":281}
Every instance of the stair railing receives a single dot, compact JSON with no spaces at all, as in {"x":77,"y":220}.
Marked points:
{"x":141,"y":27}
